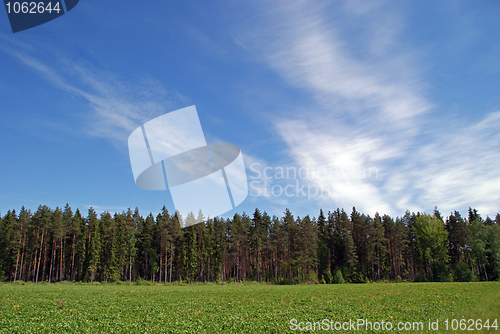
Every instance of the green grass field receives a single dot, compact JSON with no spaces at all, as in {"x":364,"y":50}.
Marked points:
{"x":209,"y":308}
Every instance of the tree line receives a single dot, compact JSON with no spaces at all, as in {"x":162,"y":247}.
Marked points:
{"x":59,"y":244}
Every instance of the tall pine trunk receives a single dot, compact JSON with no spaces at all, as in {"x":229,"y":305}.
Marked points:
{"x":44,"y":267}
{"x":171,"y":259}
{"x":35,"y":256}
{"x":73,"y":248}
{"x":17,"y":257}
{"x":39,"y":258}
{"x":61,"y":259}
{"x":52,"y":260}
{"x":165,"y":265}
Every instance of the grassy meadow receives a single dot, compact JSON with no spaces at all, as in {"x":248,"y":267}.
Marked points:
{"x":237,"y":308}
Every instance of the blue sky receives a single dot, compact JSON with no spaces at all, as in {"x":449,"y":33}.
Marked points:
{"x":386,"y":107}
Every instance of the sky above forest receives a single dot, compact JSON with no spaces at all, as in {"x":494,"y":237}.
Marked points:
{"x":386,"y":106}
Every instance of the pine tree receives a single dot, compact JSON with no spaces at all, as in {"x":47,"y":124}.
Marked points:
{"x":24,"y":224}
{"x":293,"y":257}
{"x":163,"y":242}
{"x":9,"y":243}
{"x":279,"y":247}
{"x":192,"y":252}
{"x":3,"y":237}
{"x":359,"y":233}
{"x":56,"y":235}
{"x":351,"y":256}
{"x":117,"y":269}
{"x":323,"y":241}
{"x":218,"y":245}
{"x":69,"y":242}
{"x":266,"y":246}
{"x":458,"y":234}
{"x":176,"y":233}
{"x":41,"y":223}
{"x":110,"y":271}
{"x":94,"y":245}
{"x":308,"y":246}
{"x":377,"y":247}
{"x":203,"y":245}
{"x":401,"y":252}
{"x":131,"y":223}
{"x":147,"y":254}
{"x":79,"y":257}
{"x":258,"y":235}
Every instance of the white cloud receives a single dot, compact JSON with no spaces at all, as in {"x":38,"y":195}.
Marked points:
{"x":459,"y":168}
{"x":371,"y":111}
{"x":116,"y":107}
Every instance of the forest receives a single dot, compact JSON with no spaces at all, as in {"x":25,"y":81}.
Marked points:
{"x":51,"y":245}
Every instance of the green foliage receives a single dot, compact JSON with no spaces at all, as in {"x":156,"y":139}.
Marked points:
{"x":431,"y":244}
{"x":140,"y":281}
{"x":462,"y":273}
{"x":3,"y":278}
{"x":420,"y":277}
{"x":284,"y":281}
{"x":441,"y":272}
{"x":358,"y":277}
{"x":338,"y":278}
{"x":58,"y":245}
{"x":327,"y":277}
{"x":493,"y":250}
{"x":312,"y":277}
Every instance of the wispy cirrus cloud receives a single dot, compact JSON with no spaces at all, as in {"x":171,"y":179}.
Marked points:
{"x":456,"y":169}
{"x":371,"y":110}
{"x":116,"y":106}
